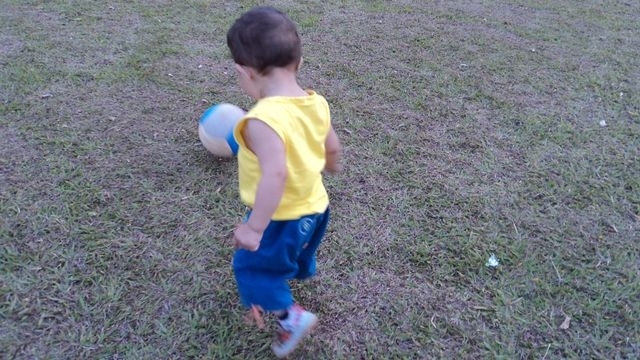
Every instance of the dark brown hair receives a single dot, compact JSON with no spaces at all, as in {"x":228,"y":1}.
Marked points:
{"x":264,"y":38}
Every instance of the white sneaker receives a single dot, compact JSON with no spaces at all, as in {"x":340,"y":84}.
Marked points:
{"x":294,"y":328}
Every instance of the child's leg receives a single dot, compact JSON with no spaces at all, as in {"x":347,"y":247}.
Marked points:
{"x":287,"y":251}
{"x":271,"y":293}
{"x":262,"y":276}
{"x":296,"y":322}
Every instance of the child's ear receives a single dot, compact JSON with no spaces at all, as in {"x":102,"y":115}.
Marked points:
{"x":300,"y":63}
{"x":240,"y":70}
{"x":245,"y":71}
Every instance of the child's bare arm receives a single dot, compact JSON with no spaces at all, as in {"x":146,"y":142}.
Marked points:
{"x":269,"y":149}
{"x":333,"y":152}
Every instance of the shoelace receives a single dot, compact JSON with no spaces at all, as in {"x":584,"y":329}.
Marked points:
{"x":282,"y":335}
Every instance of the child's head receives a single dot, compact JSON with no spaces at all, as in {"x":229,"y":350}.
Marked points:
{"x":265,"y":38}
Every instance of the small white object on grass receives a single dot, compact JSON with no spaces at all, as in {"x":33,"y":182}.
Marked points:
{"x":493,"y":261}
{"x":603,"y":123}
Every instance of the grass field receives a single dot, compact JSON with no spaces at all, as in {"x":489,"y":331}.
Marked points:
{"x":470,"y":128}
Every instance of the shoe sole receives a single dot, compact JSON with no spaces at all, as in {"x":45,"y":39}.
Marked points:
{"x":295,"y":346}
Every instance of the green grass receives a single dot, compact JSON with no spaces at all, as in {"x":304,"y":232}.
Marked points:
{"x":470,"y":128}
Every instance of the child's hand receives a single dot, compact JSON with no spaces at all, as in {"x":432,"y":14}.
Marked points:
{"x":244,"y":237}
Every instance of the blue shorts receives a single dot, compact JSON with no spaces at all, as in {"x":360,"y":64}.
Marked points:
{"x":287,"y":251}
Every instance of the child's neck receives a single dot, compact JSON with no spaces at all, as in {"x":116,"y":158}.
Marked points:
{"x":280,"y":82}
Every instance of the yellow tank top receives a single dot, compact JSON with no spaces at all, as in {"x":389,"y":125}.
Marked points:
{"x":303,"y":125}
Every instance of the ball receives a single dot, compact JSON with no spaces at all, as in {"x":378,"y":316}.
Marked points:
{"x":216,"y":126}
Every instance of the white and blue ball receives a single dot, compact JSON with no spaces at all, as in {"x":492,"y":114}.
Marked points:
{"x":216,"y":126}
